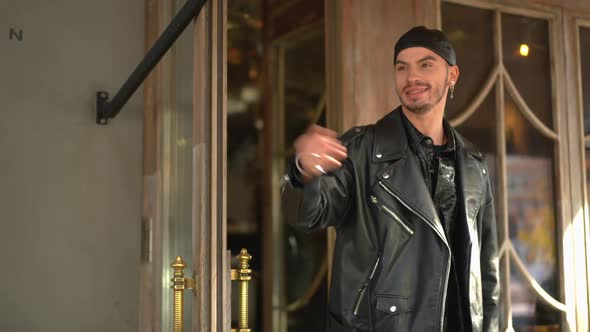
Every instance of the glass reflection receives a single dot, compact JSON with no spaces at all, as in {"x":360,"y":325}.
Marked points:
{"x":244,"y":145}
{"x":470,"y":30}
{"x":305,"y":254}
{"x":526,"y":304}
{"x":480,"y":129}
{"x":177,"y":177}
{"x":531,"y":74}
{"x":304,"y":85}
{"x":531,"y":217}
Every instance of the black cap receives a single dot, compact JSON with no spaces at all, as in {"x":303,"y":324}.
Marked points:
{"x":432,"y":39}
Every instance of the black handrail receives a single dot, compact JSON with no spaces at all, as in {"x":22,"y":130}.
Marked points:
{"x":106,"y":109}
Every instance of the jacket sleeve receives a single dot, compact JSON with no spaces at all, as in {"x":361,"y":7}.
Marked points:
{"x":320,"y":203}
{"x":327,"y":199}
{"x":489,"y":267}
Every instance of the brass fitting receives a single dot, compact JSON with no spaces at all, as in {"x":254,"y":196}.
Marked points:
{"x":179,"y":284}
{"x":243,"y":275}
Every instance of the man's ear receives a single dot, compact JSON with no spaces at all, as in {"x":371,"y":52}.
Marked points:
{"x":453,"y":74}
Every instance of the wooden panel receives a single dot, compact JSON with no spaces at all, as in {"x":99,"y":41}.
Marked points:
{"x":360,"y":38}
{"x":287,"y":16}
{"x":579,"y":6}
{"x":209,"y":145}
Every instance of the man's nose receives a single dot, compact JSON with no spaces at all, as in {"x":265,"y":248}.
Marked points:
{"x":413,"y":75}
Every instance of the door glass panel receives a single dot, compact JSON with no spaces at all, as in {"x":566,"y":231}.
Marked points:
{"x":470,"y":30}
{"x":531,"y":216}
{"x":480,"y":129}
{"x":529,"y":313}
{"x":177,"y":170}
{"x":531,"y":73}
{"x":304,"y":85}
{"x":304,"y":258}
{"x":245,"y":123}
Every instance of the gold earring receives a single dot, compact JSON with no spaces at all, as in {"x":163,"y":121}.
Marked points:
{"x":452,"y":89}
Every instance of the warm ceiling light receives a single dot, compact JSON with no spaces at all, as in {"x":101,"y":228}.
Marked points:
{"x":524,"y":50}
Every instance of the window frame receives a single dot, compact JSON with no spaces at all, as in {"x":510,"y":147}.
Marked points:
{"x":576,"y":313}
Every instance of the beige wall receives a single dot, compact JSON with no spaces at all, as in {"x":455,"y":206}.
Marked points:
{"x":70,"y":190}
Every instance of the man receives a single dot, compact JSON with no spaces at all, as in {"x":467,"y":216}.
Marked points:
{"x":412,"y":206}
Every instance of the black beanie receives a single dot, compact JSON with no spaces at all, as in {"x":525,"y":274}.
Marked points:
{"x":432,"y":39}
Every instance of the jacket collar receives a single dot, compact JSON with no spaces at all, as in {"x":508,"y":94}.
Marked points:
{"x":403,"y":177}
{"x":391,"y":141}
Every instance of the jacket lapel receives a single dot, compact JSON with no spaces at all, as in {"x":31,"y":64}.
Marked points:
{"x":404,"y":180}
{"x":403,"y":177}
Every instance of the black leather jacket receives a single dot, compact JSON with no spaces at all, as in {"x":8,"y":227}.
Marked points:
{"x":391,"y":250}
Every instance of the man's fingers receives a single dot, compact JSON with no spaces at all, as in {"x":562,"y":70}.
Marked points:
{"x":335,"y":153}
{"x":332,"y":163}
{"x":335,"y":144}
{"x":316,"y":163}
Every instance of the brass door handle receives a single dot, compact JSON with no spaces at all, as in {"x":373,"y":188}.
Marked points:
{"x":179,"y":284}
{"x":243,"y":275}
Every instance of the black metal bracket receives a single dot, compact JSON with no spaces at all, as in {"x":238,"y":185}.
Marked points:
{"x":106,"y":109}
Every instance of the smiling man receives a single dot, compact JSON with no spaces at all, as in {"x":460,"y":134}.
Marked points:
{"x":411,"y":201}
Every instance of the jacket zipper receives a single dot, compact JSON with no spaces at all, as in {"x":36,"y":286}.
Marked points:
{"x":448,"y":263}
{"x":392,"y":214}
{"x":361,"y":293}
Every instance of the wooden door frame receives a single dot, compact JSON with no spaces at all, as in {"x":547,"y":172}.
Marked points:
{"x":573,"y":20}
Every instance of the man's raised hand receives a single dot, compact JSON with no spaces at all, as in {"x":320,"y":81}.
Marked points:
{"x":318,"y":151}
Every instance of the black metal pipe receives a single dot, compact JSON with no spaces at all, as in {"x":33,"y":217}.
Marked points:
{"x":109,"y":109}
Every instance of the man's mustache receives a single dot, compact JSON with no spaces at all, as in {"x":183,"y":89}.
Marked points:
{"x":414,"y":85}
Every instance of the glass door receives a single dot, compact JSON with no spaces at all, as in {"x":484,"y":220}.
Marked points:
{"x":176,"y":213}
{"x":300,"y":261}
{"x":184,"y":182}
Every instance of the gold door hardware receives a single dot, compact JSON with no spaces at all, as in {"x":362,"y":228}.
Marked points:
{"x":179,"y":284}
{"x":242,"y":275}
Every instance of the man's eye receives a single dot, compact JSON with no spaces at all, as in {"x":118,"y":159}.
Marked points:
{"x":401,"y":68}
{"x":426,"y":65}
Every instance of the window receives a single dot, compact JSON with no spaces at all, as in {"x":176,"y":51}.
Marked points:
{"x":504,"y":104}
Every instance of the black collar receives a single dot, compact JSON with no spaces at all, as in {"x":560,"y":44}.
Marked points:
{"x":391,"y":140}
{"x":419,"y":141}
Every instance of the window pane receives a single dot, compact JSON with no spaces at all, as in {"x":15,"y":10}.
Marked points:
{"x":244,"y":120}
{"x":531,"y":73}
{"x":177,"y":182}
{"x":244,"y":145}
{"x":304,"y":83}
{"x":470,"y":30}
{"x":480,"y":129}
{"x":531,"y":216}
{"x":305,"y":254}
{"x":529,"y":313}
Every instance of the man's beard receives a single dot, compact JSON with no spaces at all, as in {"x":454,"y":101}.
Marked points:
{"x":423,"y":108}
